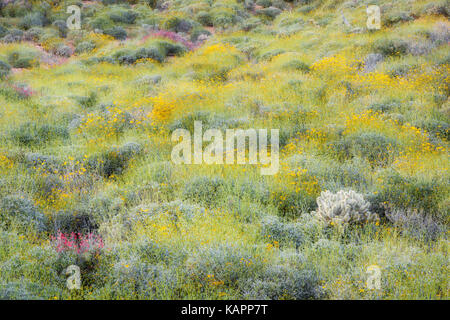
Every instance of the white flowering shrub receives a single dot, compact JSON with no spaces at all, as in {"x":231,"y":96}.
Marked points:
{"x":344,"y":208}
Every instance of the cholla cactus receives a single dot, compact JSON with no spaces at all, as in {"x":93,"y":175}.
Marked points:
{"x":343,"y":208}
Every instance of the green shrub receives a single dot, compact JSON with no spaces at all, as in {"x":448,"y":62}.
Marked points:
{"x":227,"y":263}
{"x":284,"y":282}
{"x":197,"y":32}
{"x":285,"y":233}
{"x":114,"y":161}
{"x":171,"y":49}
{"x":62,"y":27}
{"x":151,"y":53}
{"x":391,"y":47}
{"x":88,"y":101}
{"x":33,"y":34}
{"x":296,"y":65}
{"x":270,"y":12}
{"x":118,"y":33}
{"x":223,"y":18}
{"x":4,"y":69}
{"x":17,"y":291}
{"x":384,"y":106}
{"x":78,"y":220}
{"x":123,"y":16}
{"x":204,"y":189}
{"x":23,"y":59}
{"x":85,"y":47}
{"x":34,"y":19}
{"x":13,"y":35}
{"x":30,"y":134}
{"x":291,"y":204}
{"x":264,"y":3}
{"x":410,"y":192}
{"x":177,"y":24}
{"x":375,"y":147}
{"x":3,"y":31}
{"x":21,"y":212}
{"x":440,"y":129}
{"x":101,"y":23}
{"x":205,"y":18}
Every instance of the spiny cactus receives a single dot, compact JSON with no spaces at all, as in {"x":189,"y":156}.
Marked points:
{"x":343,"y":208}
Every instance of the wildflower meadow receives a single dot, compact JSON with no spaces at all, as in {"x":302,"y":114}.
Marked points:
{"x":335,"y":185}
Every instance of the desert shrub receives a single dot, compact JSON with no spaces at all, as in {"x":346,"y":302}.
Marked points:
{"x":29,"y":134}
{"x":85,"y":47}
{"x":438,"y":8}
{"x":110,"y":2}
{"x":101,"y":23}
{"x":78,"y":220}
{"x":282,"y":282}
{"x":264,"y":3}
{"x":3,"y":31}
{"x":4,"y":69}
{"x":171,"y":49}
{"x":154,"y":53}
{"x":397,"y":17}
{"x":391,"y":47}
{"x":47,"y":185}
{"x":88,"y":101}
{"x":270,"y":54}
{"x":203,"y":189}
{"x":45,"y":162}
{"x":177,"y":24}
{"x":334,"y":176}
{"x":296,"y":65}
{"x":118,"y":33}
{"x":409,"y":192}
{"x":199,"y":34}
{"x":285,"y":233}
{"x":23,"y":58}
{"x":440,"y":129}
{"x":149,"y":80}
{"x":63,"y":51}
{"x":151,"y":3}
{"x":32,"y":34}
{"x":17,"y":291}
{"x":253,"y":191}
{"x":123,"y":16}
{"x":291,"y":204}
{"x":21,"y":212}
{"x":415,"y":223}
{"x":229,"y":265}
{"x":175,"y":209}
{"x":400,"y":70}
{"x":13,"y":35}
{"x":34,"y":19}
{"x":187,"y":121}
{"x":223,"y":18}
{"x":205,"y":18}
{"x":375,"y":147}
{"x":146,"y":281}
{"x":344,"y":208}
{"x":62,"y":27}
{"x":115,"y":160}
{"x":16,"y":9}
{"x":270,"y":12}
{"x":384,"y":106}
